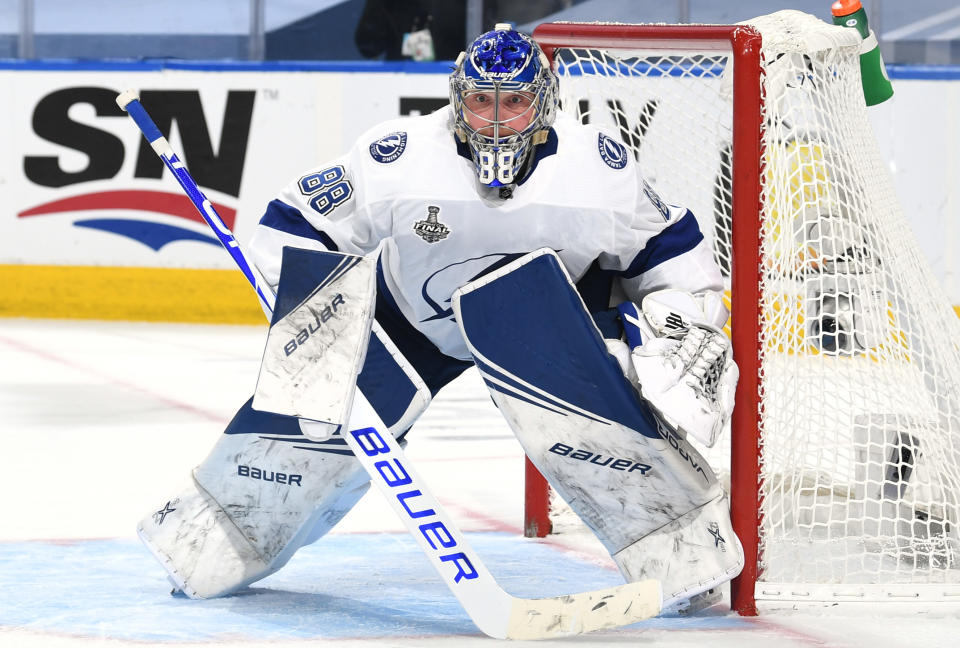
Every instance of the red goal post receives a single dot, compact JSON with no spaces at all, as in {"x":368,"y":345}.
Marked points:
{"x":743,"y":45}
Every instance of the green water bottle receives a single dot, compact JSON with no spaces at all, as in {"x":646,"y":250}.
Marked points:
{"x":876,"y":83}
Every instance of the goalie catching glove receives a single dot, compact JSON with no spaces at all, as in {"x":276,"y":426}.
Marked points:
{"x":683,"y":361}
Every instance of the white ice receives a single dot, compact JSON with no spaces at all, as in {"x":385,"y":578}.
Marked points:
{"x":101,"y":421}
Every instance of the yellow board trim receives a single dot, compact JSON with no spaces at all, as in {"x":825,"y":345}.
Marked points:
{"x":133,"y":294}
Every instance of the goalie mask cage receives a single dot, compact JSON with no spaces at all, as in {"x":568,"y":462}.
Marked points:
{"x":843,"y":461}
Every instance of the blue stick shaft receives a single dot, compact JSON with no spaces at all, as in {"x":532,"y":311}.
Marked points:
{"x":129,"y":102}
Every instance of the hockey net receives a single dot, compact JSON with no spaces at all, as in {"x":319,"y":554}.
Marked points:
{"x":844,"y":469}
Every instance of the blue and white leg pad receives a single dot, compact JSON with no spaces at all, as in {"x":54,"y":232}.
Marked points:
{"x":585,"y":428}
{"x":274,"y":483}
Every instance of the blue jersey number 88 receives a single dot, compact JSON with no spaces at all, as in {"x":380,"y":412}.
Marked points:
{"x":327,"y":189}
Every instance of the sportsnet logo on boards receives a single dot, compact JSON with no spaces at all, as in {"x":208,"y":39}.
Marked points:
{"x":141,"y":210}
{"x":431,"y":230}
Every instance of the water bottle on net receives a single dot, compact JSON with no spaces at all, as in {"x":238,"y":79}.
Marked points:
{"x":876,"y":84}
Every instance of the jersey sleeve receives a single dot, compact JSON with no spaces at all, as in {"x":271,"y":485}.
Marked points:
{"x":320,"y":210}
{"x":661,"y":246}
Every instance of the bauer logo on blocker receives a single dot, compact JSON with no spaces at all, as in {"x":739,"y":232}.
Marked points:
{"x":389,"y":147}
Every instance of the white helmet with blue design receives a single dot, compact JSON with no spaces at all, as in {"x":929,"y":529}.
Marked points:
{"x":504,"y":98}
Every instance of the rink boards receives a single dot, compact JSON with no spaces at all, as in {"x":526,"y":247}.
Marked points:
{"x":87,"y":207}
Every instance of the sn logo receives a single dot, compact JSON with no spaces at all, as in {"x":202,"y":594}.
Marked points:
{"x":105,"y":151}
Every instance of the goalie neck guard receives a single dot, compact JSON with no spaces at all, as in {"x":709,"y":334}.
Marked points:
{"x":504,"y":98}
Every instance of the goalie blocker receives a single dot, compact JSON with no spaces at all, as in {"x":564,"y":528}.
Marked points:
{"x":646,"y":493}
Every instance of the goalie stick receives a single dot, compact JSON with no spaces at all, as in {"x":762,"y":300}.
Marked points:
{"x":493,"y":610}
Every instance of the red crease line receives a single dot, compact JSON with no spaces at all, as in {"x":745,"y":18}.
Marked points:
{"x":205,"y":414}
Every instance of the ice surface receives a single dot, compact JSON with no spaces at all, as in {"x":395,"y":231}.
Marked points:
{"x":101,"y":420}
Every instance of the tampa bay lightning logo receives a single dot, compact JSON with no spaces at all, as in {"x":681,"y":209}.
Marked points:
{"x":613,"y":152}
{"x":389,"y":147}
{"x":439,"y":286}
{"x":656,"y":200}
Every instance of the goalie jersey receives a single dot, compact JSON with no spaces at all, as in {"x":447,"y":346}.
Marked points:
{"x":408,"y":192}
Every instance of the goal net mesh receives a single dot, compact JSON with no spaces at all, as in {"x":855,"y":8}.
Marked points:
{"x":859,"y":347}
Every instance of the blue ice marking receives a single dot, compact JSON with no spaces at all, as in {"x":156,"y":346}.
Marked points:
{"x":346,"y":586}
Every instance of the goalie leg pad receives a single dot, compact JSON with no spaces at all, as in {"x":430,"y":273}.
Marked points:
{"x":264,"y":491}
{"x":186,"y":532}
{"x":273,"y":483}
{"x":675,"y":554}
{"x":584,"y":426}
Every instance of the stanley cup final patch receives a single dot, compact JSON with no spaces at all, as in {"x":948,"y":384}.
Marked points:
{"x":431,"y":230}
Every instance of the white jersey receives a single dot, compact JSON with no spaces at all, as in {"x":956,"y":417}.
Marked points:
{"x":409,"y":192}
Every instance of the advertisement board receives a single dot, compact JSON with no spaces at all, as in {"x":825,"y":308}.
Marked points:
{"x":83,"y":186}
{"x":87,"y":206}
{"x":85,"y":201}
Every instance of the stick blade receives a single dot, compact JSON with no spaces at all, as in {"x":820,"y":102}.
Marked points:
{"x":575,"y":614}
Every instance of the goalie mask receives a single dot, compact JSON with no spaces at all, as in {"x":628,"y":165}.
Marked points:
{"x":504,"y":98}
